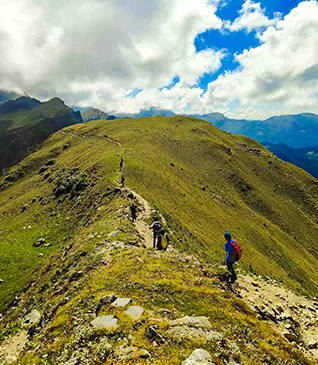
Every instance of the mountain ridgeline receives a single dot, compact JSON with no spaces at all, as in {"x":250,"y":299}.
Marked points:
{"x":297,"y":131}
{"x":306,"y":157}
{"x":203,"y":180}
{"x":69,"y":248}
{"x":95,"y":114}
{"x":292,"y":138}
{"x":293,"y":130}
{"x":25,"y":123}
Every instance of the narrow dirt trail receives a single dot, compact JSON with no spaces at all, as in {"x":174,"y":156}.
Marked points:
{"x":294,"y":316}
{"x":143,"y":214}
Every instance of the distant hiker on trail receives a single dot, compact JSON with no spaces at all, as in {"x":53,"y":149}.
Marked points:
{"x":156,"y":228}
{"x":133,"y":211}
{"x":163,"y":240}
{"x":233,"y":254}
{"x":121,"y":165}
{"x":123,"y":181}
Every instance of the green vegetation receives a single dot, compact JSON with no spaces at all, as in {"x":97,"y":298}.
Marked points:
{"x":177,"y":282}
{"x":25,"y":123}
{"x":203,"y":181}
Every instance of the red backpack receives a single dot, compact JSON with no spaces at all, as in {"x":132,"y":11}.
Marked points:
{"x":236,"y":250}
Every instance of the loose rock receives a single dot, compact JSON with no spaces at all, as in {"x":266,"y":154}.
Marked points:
{"x":39,"y":242}
{"x":153,"y":335}
{"x":291,"y":337}
{"x":193,"y":334}
{"x":193,"y":329}
{"x":33,"y":318}
{"x":197,"y":322}
{"x":105,"y":301}
{"x":165,"y":313}
{"x":199,"y":357}
{"x":134,"y":312}
{"x":105,"y":322}
{"x":121,"y":302}
{"x":76,"y":275}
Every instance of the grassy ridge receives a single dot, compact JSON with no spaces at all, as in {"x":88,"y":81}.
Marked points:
{"x":270,"y":206}
{"x":204,"y":181}
{"x":154,"y":280}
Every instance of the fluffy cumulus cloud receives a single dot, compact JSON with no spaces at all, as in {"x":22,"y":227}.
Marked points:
{"x":252,"y":17}
{"x":282,"y":73}
{"x":96,"y":50}
{"x":100,"y":52}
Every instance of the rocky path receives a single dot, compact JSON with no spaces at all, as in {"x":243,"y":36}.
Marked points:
{"x":144,"y":212}
{"x":292,"y":315}
{"x":143,"y":215}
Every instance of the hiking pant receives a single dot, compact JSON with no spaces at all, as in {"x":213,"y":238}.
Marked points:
{"x":230,"y":267}
{"x":155,"y":235}
{"x":159,"y":245}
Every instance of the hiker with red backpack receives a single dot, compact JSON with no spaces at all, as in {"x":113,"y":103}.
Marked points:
{"x":233,"y":254}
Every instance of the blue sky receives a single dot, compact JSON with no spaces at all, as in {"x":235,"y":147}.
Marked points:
{"x":235,"y":42}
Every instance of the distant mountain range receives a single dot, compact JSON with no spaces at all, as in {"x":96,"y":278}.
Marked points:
{"x":7,"y":95}
{"x":293,"y":138}
{"x":297,"y":131}
{"x":25,"y":123}
{"x":293,"y":130}
{"x":95,"y":114}
{"x":152,"y":112}
{"x":306,"y":158}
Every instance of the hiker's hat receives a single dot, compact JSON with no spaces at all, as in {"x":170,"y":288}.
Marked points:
{"x":227,"y":235}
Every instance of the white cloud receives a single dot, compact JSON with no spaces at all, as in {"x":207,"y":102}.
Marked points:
{"x":94,"y":48}
{"x":97,"y":52}
{"x":252,"y":17}
{"x":281,"y":73}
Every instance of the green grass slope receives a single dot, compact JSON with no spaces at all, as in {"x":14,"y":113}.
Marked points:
{"x":25,"y":123}
{"x":105,"y":256}
{"x":204,"y":181}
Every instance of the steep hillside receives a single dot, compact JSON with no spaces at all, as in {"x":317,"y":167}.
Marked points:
{"x":67,"y":242}
{"x":294,"y":130}
{"x":306,"y":158}
{"x":25,"y":123}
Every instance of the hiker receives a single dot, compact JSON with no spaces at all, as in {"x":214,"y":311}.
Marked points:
{"x":156,"y":228}
{"x":121,"y":165}
{"x":163,"y":240}
{"x":233,"y":254}
{"x":123,"y":181}
{"x":133,"y":211}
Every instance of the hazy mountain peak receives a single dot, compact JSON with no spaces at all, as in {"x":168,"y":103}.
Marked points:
{"x":19,"y":104}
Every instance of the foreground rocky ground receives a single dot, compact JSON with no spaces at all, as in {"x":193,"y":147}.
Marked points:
{"x":293,"y":316}
{"x":107,"y":298}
